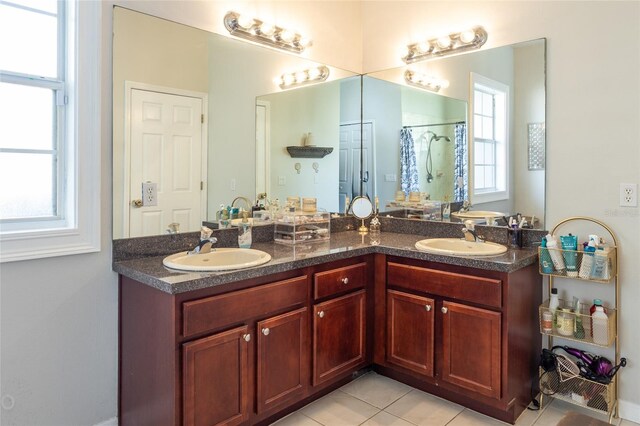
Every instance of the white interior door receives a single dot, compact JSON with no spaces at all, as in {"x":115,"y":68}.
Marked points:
{"x":349,"y":170}
{"x":166,"y":149}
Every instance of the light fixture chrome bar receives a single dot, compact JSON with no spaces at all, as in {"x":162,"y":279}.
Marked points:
{"x":308,"y":76}
{"x":265,"y":33}
{"x":446,"y":45}
{"x":425,"y":82}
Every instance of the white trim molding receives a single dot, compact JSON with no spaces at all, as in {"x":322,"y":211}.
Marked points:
{"x":82,"y":233}
{"x":629,"y":411}
{"x":110,"y":422}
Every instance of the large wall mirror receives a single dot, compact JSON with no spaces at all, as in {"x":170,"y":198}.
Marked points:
{"x":199,"y":121}
{"x":479,"y":139}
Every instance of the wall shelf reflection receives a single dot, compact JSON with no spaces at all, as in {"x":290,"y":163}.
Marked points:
{"x":309,"y":151}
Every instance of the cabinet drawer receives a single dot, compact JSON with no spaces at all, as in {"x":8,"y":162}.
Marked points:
{"x":214,"y":312}
{"x":339,"y":280}
{"x":480,"y":290}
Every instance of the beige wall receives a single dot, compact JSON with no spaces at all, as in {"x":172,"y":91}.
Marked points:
{"x":315,"y":110}
{"x":59,"y":315}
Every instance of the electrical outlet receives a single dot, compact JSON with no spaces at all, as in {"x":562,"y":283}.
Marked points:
{"x":628,"y":195}
{"x":149,"y":194}
{"x":390,"y":177}
{"x":282,"y":180}
{"x":232,"y":185}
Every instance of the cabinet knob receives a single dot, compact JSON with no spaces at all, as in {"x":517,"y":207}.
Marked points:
{"x":345,"y":280}
{"x":265,"y":331}
{"x":444,"y":310}
{"x":321,"y":314}
{"x":428,"y":308}
{"x":246,"y":337}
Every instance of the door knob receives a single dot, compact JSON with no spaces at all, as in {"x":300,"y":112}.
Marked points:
{"x":444,"y":310}
{"x":321,"y":314}
{"x":265,"y":331}
{"x":136,"y":203}
{"x":345,"y":280}
{"x":428,"y":308}
{"x":246,"y":337}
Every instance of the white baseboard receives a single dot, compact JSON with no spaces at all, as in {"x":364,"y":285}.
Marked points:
{"x":629,"y":411}
{"x":111,"y":422}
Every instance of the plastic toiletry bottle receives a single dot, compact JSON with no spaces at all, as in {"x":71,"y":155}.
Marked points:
{"x":596,"y":303}
{"x":224,"y":221}
{"x":600,"y":327}
{"x":587,"y":260}
{"x":244,"y":232}
{"x":374,"y":227}
{"x":446,"y":208}
{"x":566,"y":322}
{"x":570,"y":253}
{"x":545,"y":258}
{"x":554,"y":304}
{"x":600,"y":270}
{"x":578,"y":330}
{"x":555,"y":253}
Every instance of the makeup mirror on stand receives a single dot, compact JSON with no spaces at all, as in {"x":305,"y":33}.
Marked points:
{"x":362,"y":208}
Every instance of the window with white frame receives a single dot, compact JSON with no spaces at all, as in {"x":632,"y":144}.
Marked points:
{"x":48,"y":92}
{"x":490,"y":102}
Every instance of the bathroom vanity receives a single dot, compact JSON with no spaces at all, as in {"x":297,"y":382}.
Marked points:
{"x":248,"y":347}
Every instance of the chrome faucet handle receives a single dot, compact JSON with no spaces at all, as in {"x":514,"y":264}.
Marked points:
{"x":173,"y":228}
{"x":470,"y":225}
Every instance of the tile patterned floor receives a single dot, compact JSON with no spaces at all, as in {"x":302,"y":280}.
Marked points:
{"x":374,"y":400}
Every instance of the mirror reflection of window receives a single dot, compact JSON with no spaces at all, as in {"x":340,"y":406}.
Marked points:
{"x":490,"y":139}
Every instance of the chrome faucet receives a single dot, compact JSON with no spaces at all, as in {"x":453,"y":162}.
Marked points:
{"x":205,"y":246}
{"x":246,"y":201}
{"x":470,"y":233}
{"x":466,"y":206}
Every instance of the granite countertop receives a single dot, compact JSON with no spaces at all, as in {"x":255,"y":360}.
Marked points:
{"x":342,"y":245}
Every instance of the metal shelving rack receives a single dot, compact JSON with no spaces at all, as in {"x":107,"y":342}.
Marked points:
{"x":599,"y":397}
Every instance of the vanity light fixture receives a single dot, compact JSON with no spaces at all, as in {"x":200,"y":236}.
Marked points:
{"x":311,"y":75}
{"x":446,"y":45}
{"x":424,"y":81}
{"x":265,"y":32}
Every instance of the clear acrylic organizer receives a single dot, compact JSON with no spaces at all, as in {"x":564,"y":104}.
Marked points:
{"x":302,"y":227}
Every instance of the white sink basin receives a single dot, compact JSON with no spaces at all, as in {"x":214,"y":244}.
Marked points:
{"x":219,"y":259}
{"x":477,"y":214}
{"x":460,"y":247}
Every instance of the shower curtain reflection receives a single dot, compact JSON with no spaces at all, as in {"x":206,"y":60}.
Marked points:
{"x":408,"y":166}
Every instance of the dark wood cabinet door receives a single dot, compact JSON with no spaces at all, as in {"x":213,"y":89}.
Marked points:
{"x":339,"y":336}
{"x":215,"y":379}
{"x":283,"y":358}
{"x":410,"y":331}
{"x":471,"y":348}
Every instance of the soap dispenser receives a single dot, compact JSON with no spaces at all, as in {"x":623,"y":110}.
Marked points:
{"x":244,"y":231}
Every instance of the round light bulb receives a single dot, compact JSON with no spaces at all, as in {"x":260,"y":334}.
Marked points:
{"x":314,"y":73}
{"x":287,"y":36}
{"x":424,"y":47}
{"x":301,"y":76}
{"x":444,"y":83}
{"x":245,"y":22}
{"x":278,"y":80}
{"x":288,"y":79}
{"x":304,"y":42}
{"x":467,"y":36}
{"x":267,"y":28}
{"x":444,"y":42}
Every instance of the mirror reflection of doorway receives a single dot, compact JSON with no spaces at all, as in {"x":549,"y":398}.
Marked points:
{"x":165,"y":147}
{"x":349,"y":171}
